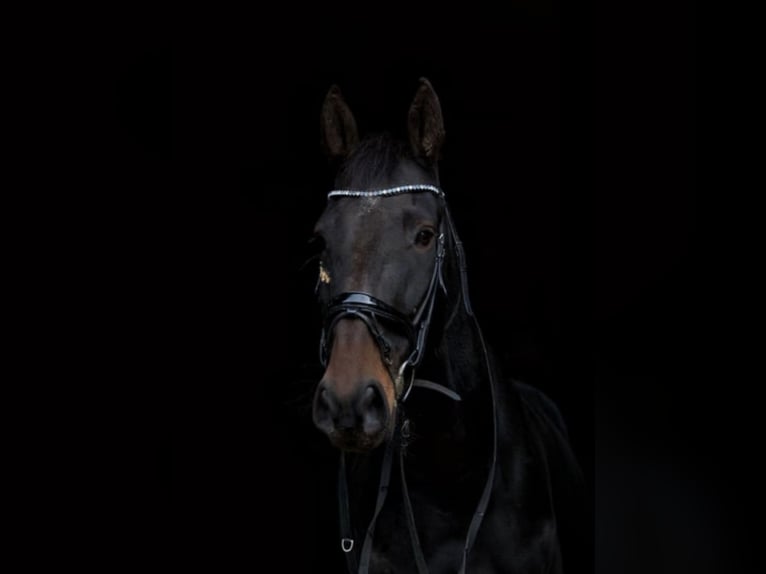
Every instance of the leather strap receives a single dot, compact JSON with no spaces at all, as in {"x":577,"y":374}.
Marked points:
{"x":424,"y":384}
{"x":420,"y":560}
{"x":346,"y":533}
{"x":385,"y":477}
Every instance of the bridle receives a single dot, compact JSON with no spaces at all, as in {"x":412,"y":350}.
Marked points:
{"x":369,"y":309}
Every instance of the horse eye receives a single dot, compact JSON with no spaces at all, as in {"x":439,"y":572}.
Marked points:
{"x":424,"y":237}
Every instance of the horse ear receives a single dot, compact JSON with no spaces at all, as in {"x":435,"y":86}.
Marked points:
{"x":425,"y":123}
{"x":337,"y":125}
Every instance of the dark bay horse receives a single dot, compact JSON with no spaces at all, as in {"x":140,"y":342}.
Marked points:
{"x":444,"y":466}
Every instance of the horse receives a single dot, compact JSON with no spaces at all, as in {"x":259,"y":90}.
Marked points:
{"x":444,"y":467}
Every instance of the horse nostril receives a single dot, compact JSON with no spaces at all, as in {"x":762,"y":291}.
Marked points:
{"x":326,"y":400}
{"x":369,"y":396}
{"x":363,"y":411}
{"x":372,"y":408}
{"x":325,"y":409}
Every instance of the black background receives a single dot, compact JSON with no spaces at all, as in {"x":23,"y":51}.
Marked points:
{"x":569,"y":168}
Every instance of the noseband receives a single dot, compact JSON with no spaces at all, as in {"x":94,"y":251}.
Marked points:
{"x":369,"y":309}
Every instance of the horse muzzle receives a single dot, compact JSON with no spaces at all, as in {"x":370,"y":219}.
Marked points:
{"x":354,"y":421}
{"x":355,"y":400}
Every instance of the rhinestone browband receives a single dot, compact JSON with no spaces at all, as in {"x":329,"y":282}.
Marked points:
{"x":385,"y":192}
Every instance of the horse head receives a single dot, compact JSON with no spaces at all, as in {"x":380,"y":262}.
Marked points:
{"x":382,"y":240}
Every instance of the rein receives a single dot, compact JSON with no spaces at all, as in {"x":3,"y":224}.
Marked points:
{"x":368,"y":308}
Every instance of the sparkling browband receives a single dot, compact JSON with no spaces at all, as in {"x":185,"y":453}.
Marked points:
{"x":385,"y":192}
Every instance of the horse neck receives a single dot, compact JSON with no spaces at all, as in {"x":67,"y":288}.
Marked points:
{"x":461,"y":355}
{"x":466,"y":371}
{"x":452,"y":437}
